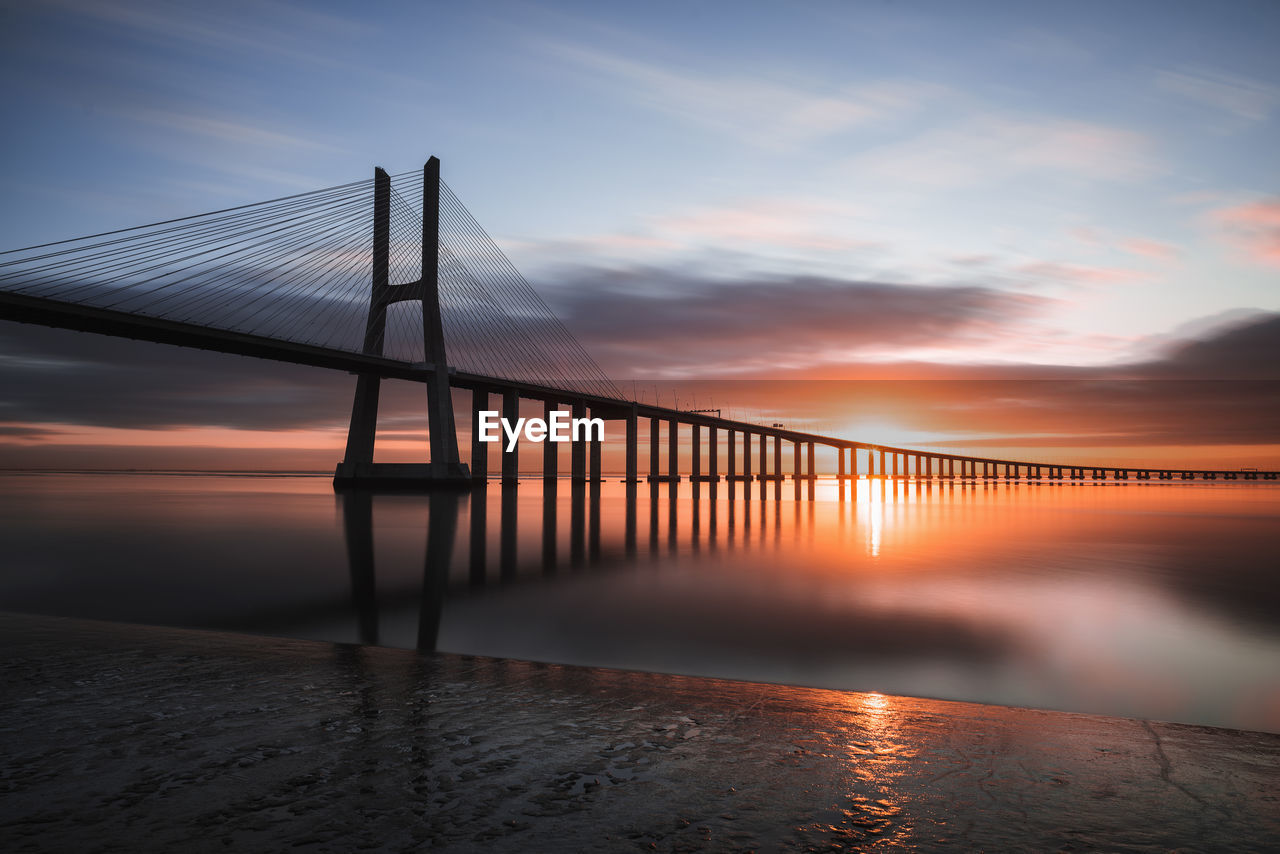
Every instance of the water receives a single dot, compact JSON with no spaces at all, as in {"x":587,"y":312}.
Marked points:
{"x":1147,"y":600}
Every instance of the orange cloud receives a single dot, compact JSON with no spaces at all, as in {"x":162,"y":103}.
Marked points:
{"x":1255,"y":228}
{"x":1150,"y":248}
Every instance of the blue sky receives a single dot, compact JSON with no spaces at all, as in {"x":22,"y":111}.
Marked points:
{"x":1107,"y":173}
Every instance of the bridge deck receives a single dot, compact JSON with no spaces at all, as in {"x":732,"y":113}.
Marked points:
{"x":67,"y":315}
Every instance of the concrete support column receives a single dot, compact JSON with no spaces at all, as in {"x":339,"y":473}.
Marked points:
{"x":596,"y":444}
{"x":713,"y":453}
{"x":655,"y":462}
{"x":696,"y":461}
{"x":578,"y":451}
{"x":733,"y":455}
{"x":633,"y":441}
{"x":673,"y":449}
{"x":777,"y":456}
{"x":746,"y":457}
{"x":479,"y":450}
{"x":796,"y":474}
{"x":510,"y":458}
{"x":764,"y":457}
{"x":840,"y":463}
{"x":550,"y":455}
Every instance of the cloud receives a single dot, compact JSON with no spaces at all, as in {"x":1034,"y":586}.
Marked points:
{"x":1211,"y":401}
{"x":81,"y":378}
{"x":279,"y":30}
{"x":651,"y":321}
{"x":1080,"y":273}
{"x":25,"y":431}
{"x":792,"y":223}
{"x":1141,"y":246}
{"x":1253,"y":227}
{"x":224,"y":131}
{"x":1214,"y":400}
{"x":766,"y":112}
{"x":1247,"y":349}
{"x":1243,"y":97}
{"x":992,"y":147}
{"x":1149,"y":248}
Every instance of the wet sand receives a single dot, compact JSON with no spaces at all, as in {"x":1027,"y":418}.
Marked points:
{"x":126,"y":738}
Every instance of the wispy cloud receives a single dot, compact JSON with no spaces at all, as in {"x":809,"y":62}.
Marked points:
{"x":274,"y":29}
{"x":1080,"y":273}
{"x":1242,"y":97}
{"x":1142,"y":246}
{"x":992,"y":147}
{"x":1254,"y":227}
{"x":225,"y":130}
{"x":1149,"y":248}
{"x":793,"y":223}
{"x":764,"y":111}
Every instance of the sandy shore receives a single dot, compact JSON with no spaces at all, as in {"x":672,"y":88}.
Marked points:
{"x":125,"y":738}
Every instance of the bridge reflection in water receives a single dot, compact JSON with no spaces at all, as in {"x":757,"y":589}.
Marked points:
{"x":517,"y":553}
{"x":1145,"y":599}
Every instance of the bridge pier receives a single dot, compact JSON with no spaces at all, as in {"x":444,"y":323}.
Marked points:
{"x":445,"y":467}
{"x":713,"y":454}
{"x":673,"y":451}
{"x":695,"y":462}
{"x":510,"y":456}
{"x":578,"y":450}
{"x":550,"y":450}
{"x":479,"y":450}
{"x":764,"y":462}
{"x":655,"y":461}
{"x":732,"y":460}
{"x":595,"y":443}
{"x":633,"y":442}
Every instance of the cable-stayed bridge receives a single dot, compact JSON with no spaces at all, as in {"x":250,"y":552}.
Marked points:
{"x":393,"y":278}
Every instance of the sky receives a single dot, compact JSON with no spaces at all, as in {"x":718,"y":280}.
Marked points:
{"x":980,"y":225}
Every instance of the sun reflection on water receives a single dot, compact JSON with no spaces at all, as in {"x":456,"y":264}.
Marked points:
{"x":879,"y":752}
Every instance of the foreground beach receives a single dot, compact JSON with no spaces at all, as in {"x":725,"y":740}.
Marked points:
{"x":120,"y":737}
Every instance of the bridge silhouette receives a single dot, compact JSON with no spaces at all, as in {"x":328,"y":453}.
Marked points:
{"x":323,"y":279}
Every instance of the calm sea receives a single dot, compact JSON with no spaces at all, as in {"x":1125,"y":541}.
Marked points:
{"x":1149,"y":600}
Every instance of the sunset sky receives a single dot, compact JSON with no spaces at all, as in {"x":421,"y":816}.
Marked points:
{"x":1041,"y":229}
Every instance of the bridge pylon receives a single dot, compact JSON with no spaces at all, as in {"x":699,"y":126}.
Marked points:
{"x":445,"y":468}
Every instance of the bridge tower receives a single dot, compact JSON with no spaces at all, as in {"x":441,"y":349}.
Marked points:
{"x":445,"y":468}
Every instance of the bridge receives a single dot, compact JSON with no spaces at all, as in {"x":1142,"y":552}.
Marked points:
{"x":324,"y":279}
